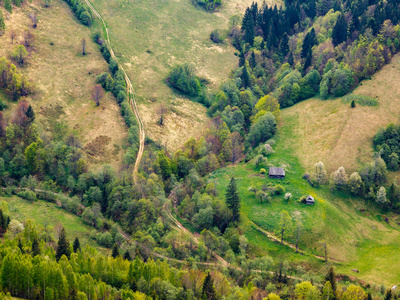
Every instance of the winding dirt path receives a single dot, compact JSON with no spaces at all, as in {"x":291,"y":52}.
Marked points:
{"x":130,"y":92}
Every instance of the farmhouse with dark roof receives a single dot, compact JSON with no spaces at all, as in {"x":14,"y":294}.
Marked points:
{"x":276,"y":173}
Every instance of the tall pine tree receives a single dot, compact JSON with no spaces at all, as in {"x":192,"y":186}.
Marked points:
{"x":63,"y":246}
{"x":331,"y":277}
{"x":35,"y":247}
{"x":208,"y":289}
{"x":76,"y":245}
{"x":232,"y":199}
{"x":340,"y":31}
{"x":115,"y":251}
{"x":245,"y":77}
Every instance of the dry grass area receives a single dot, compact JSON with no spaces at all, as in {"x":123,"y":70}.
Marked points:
{"x":64,"y":80}
{"x":151,"y":36}
{"x":334,"y":133}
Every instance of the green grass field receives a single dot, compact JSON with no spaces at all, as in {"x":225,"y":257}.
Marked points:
{"x":48,"y":213}
{"x":354,"y":230}
{"x":150,"y":37}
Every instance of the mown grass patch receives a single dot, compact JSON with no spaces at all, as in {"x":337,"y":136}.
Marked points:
{"x":45,"y":213}
{"x":360,"y":99}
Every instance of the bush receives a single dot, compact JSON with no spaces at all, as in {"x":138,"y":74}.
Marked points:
{"x":303,"y":199}
{"x":262,"y":130}
{"x":279,"y":189}
{"x":216,"y":36}
{"x":28,"y":195}
{"x":263,"y":171}
{"x":209,"y":5}
{"x":182,"y":78}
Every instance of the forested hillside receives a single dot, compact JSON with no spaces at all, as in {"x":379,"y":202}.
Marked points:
{"x":199,"y":219}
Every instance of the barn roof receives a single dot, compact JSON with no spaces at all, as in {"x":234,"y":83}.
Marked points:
{"x":310,"y":198}
{"x":273,"y":171}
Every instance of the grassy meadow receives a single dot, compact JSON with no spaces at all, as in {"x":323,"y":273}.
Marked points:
{"x":354,"y":230}
{"x":150,"y":37}
{"x":64,"y":80}
{"x":338,"y":135}
{"x":45,"y":213}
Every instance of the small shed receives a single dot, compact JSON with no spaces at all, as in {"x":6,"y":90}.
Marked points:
{"x":310,"y":200}
{"x":276,"y":173}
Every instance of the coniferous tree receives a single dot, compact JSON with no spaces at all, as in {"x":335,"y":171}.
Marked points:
{"x":284,"y":47}
{"x":309,"y":41}
{"x":331,"y":277}
{"x":208,"y":289}
{"x":76,"y":245}
{"x":252,"y":60}
{"x":63,"y":246}
{"x":245,"y":77}
{"x":307,"y":62}
{"x":232,"y":199}
{"x":388,"y":295}
{"x":3,"y":223}
{"x":340,"y":31}
{"x":127,"y":255}
{"x":35,"y":247}
{"x":242,"y":59}
{"x":290,"y":59}
{"x":20,"y":246}
{"x":115,"y":251}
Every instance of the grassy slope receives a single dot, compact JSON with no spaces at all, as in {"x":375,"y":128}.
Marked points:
{"x":64,"y":80}
{"x":48,"y":213}
{"x":357,"y":239}
{"x":330,"y":131}
{"x":151,"y":36}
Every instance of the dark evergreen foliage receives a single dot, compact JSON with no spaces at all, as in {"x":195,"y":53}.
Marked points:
{"x":340,"y":31}
{"x":232,"y":199}
{"x":76,"y":245}
{"x":115,"y":251}
{"x":35,"y":247}
{"x":208,"y":292}
{"x":63,"y":245}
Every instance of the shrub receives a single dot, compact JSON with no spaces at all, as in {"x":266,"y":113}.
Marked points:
{"x":263,"y":171}
{"x":28,"y":195}
{"x":216,"y":36}
{"x":288,"y":196}
{"x":182,"y":78}
{"x":303,"y":199}
{"x":279,"y":189}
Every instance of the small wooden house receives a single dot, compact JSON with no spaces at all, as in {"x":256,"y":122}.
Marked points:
{"x":310,"y":200}
{"x":276,"y":173}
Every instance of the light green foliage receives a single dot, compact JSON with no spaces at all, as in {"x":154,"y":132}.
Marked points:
{"x":354,"y":292}
{"x":20,"y":54}
{"x":355,"y":183}
{"x":262,"y":130}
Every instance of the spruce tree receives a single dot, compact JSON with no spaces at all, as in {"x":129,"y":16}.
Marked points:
{"x":284,"y":47}
{"x":127,"y":256}
{"x":339,"y":31}
{"x":232,"y":199}
{"x":242,"y":59}
{"x":76,"y":245}
{"x":20,"y":246}
{"x":252,"y":61}
{"x":331,"y":277}
{"x":8,"y":5}
{"x":35,"y":247}
{"x":208,"y":289}
{"x":115,"y":251}
{"x":309,"y":41}
{"x":245,"y":77}
{"x":3,"y":223}
{"x":63,"y":246}
{"x":290,"y":59}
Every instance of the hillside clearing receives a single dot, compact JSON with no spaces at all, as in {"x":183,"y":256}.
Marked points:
{"x":332,"y":132}
{"x":166,"y":33}
{"x":64,"y":81}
